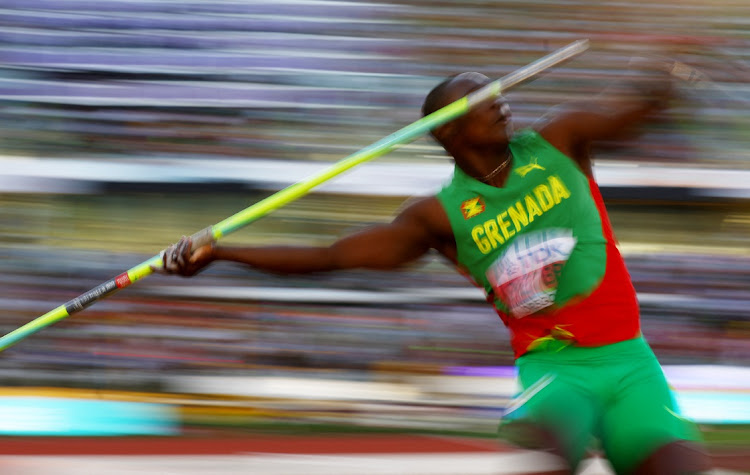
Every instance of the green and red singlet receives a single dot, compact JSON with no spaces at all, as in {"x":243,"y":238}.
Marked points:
{"x":543,"y":250}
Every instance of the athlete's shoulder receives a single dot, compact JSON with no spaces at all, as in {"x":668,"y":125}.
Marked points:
{"x":527,"y":134}
{"x":554,"y":130}
{"x":557,"y":126}
{"x":421,"y":208}
{"x":428,"y":213}
{"x":528,"y":140}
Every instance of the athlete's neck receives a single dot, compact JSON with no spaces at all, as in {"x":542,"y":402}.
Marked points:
{"x":490,"y":167}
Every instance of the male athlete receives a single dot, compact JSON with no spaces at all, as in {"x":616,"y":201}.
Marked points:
{"x":524,"y":218}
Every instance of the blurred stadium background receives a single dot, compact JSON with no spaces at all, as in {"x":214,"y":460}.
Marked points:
{"x":127,"y":123}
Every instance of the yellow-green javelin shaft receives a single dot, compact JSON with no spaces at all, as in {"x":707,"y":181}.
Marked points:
{"x":291,"y":193}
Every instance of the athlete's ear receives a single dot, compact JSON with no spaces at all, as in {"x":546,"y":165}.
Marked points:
{"x":445,"y":132}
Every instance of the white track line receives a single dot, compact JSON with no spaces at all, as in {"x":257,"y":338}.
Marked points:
{"x":518,"y":463}
{"x":387,"y":464}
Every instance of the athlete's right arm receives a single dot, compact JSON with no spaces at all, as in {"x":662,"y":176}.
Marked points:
{"x":572,"y":127}
{"x":418,"y":228}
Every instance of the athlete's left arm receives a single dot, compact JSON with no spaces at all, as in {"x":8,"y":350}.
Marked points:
{"x":614,"y":113}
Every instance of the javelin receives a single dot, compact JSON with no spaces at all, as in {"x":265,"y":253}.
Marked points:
{"x":291,"y":193}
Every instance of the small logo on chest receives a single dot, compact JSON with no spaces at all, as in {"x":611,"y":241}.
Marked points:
{"x":526,"y":169}
{"x":472,"y":207}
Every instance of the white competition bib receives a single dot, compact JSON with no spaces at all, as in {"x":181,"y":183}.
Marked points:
{"x":525,"y":276}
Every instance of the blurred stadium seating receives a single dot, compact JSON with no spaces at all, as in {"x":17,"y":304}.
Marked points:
{"x":126,"y":124}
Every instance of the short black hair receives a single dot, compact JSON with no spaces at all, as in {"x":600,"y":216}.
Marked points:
{"x":435,"y":97}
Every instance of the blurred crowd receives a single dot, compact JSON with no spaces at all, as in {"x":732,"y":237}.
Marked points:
{"x":153,"y":82}
{"x":315,"y":80}
{"x":233,"y":320}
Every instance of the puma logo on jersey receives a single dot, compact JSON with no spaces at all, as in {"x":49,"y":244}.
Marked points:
{"x":526,"y":169}
{"x":472,"y":207}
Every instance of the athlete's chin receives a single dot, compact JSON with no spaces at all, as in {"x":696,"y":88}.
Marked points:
{"x":504,"y":129}
{"x":504,"y":136}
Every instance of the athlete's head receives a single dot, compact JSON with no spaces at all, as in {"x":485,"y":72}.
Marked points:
{"x":486,"y":124}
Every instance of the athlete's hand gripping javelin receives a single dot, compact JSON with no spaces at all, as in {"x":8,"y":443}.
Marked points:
{"x":178,"y":258}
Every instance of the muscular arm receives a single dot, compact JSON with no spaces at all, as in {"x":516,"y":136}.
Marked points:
{"x":418,"y":228}
{"x":384,"y":246}
{"x":572,"y":128}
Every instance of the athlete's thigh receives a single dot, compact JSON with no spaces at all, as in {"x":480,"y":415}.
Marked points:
{"x":643,"y":417}
{"x":552,"y":411}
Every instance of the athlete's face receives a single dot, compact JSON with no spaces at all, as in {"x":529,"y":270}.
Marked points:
{"x":489,"y":122}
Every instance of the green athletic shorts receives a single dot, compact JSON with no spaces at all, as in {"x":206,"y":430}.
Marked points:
{"x":615,"y":393}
